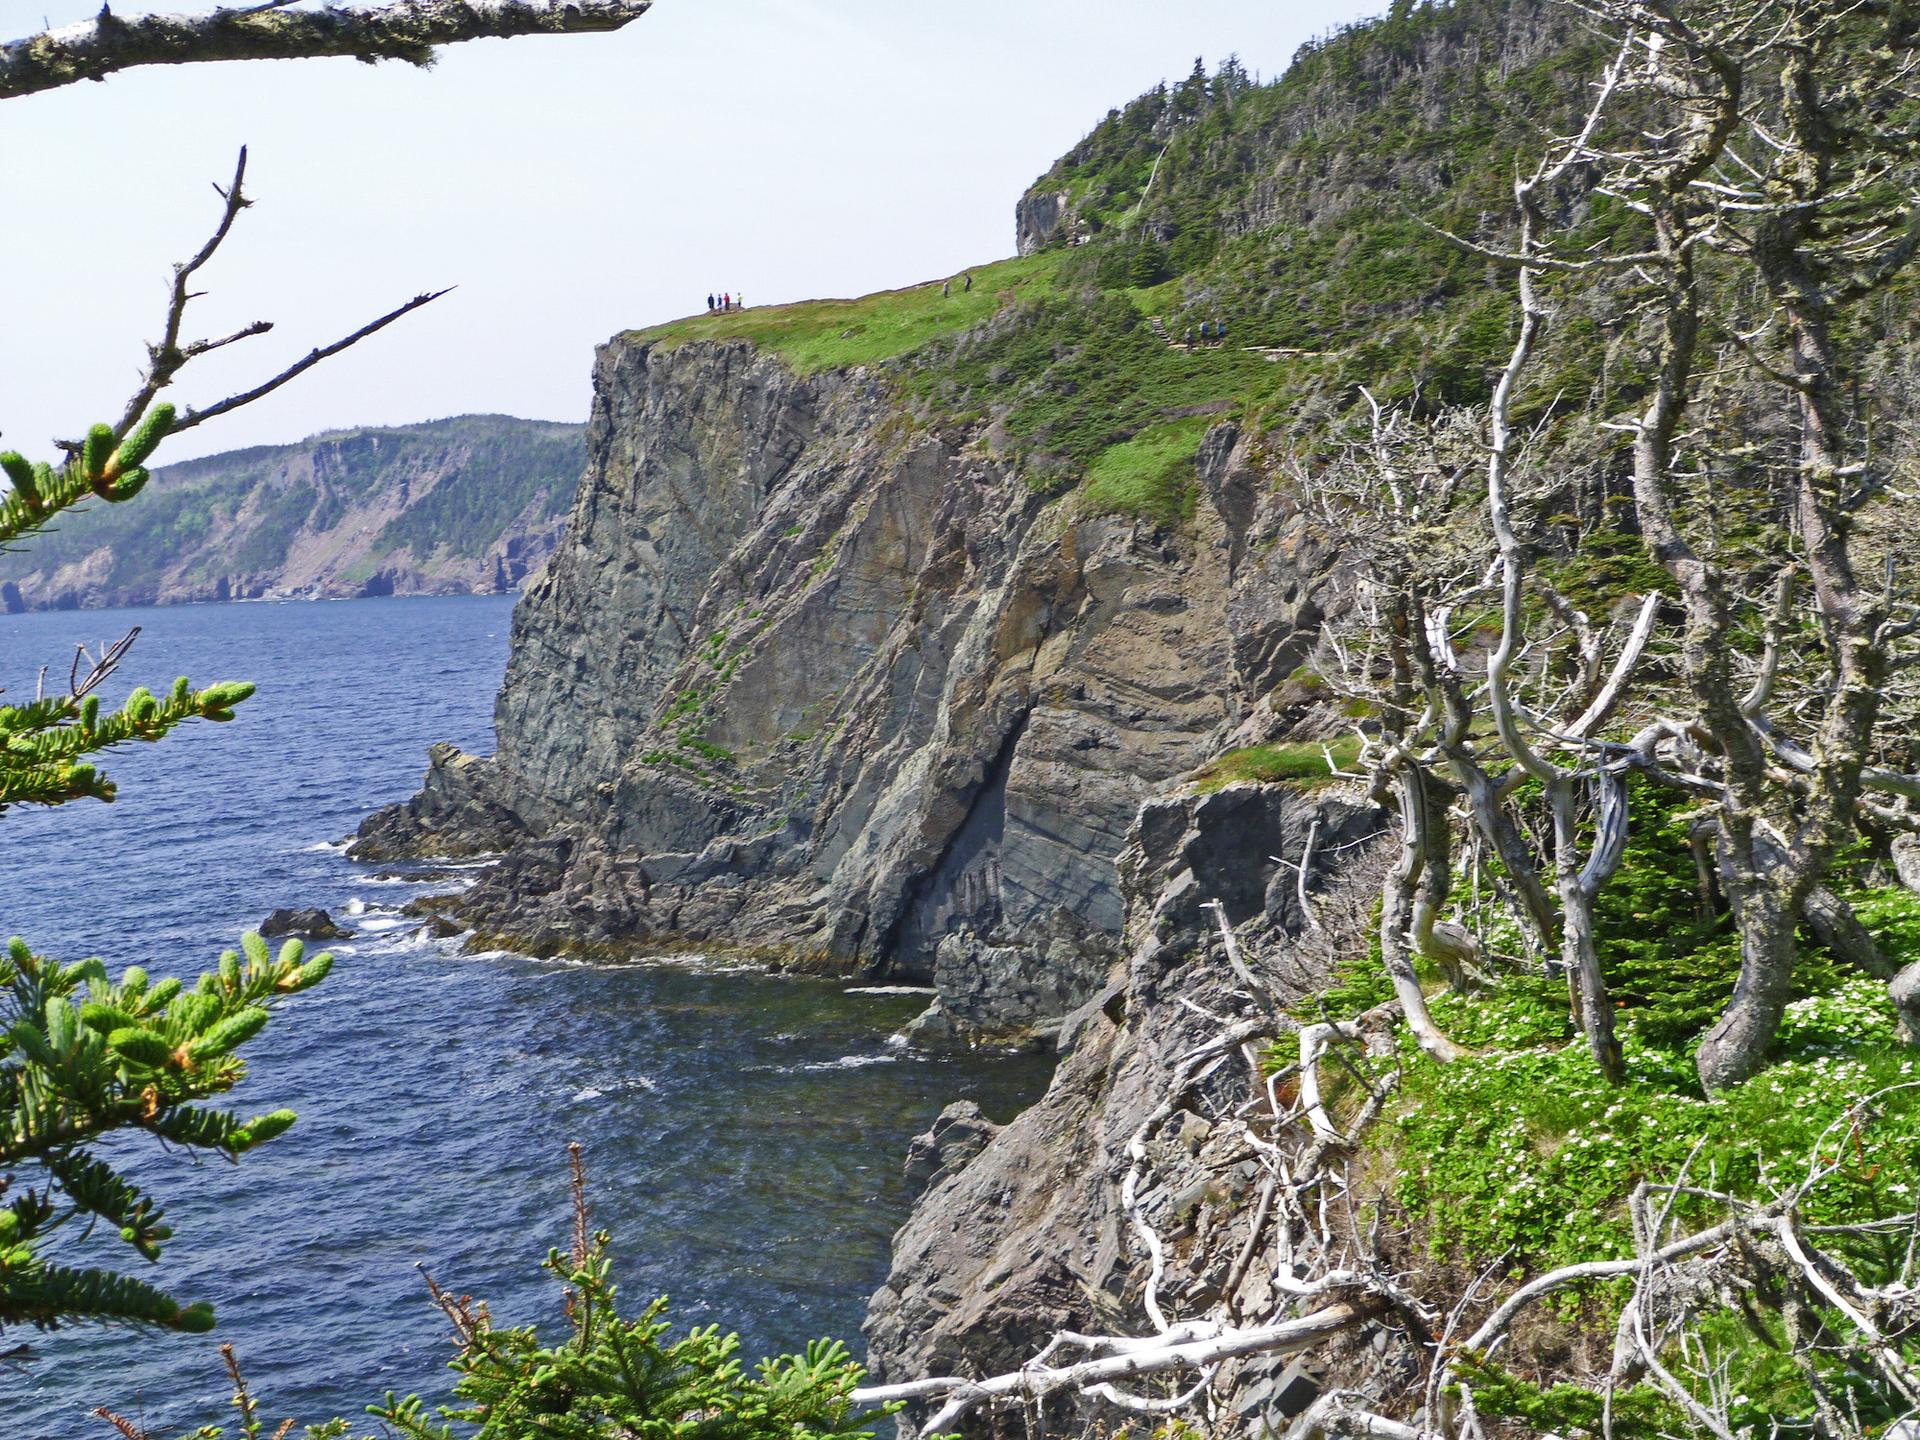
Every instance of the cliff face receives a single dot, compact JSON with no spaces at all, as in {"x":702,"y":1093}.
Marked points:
{"x":1019,"y":1232}
{"x":807,"y":676}
{"x":471,"y":505}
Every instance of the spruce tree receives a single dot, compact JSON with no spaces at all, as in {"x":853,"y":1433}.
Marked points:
{"x":83,"y":1055}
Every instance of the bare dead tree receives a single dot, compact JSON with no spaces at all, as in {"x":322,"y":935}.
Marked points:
{"x":1847,"y":1311}
{"x":1423,"y":562}
{"x":1762,"y":155}
{"x":1400,"y":498}
{"x":1773,"y":153}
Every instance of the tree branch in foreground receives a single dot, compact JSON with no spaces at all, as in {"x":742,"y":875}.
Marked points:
{"x":110,"y":462}
{"x":400,"y":30}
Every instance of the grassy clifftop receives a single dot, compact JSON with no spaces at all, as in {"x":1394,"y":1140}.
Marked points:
{"x":1291,"y":212}
{"x":816,"y":335}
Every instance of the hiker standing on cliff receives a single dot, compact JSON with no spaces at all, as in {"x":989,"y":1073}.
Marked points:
{"x":709,"y":303}
{"x":968,"y":287}
{"x":946,"y":289}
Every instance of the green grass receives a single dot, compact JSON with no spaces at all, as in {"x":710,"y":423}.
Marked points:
{"x":1151,"y":475}
{"x":816,"y":335}
{"x":1266,"y":764}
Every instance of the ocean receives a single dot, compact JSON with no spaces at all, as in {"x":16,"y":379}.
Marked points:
{"x":743,"y":1133}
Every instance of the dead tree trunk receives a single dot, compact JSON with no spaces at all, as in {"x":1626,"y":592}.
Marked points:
{"x":1410,"y":893}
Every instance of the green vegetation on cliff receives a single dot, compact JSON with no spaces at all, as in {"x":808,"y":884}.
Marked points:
{"x":816,"y":335}
{"x":1281,"y":211}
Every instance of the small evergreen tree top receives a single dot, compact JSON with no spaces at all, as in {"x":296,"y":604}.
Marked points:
{"x":613,"y":1377}
{"x":609,"y":1378}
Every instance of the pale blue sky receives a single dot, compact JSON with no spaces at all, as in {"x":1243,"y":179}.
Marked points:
{"x":570,"y":186}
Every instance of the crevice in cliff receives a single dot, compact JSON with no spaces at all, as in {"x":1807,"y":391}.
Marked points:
{"x":963,"y":886}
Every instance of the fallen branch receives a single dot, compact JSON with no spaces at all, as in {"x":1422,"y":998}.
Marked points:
{"x":1135,"y":1357}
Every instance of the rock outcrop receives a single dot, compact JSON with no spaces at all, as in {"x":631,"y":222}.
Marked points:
{"x":811,"y":678}
{"x":1039,"y":218}
{"x":308,"y":924}
{"x":1027,"y":1237}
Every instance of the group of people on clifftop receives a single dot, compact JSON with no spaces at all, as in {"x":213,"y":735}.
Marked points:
{"x":1212,"y":332}
{"x":723,"y":303}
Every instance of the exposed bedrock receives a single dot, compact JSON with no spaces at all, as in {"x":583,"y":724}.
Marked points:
{"x":810,"y":676}
{"x":1026,"y":1237}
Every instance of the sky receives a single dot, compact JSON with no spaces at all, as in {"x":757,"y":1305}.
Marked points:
{"x":569,"y":186}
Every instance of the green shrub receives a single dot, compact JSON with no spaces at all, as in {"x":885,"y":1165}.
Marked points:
{"x":1524,"y":1151}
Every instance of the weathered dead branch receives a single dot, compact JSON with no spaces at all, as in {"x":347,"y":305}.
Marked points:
{"x":406,"y":30}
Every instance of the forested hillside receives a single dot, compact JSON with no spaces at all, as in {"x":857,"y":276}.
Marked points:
{"x":471,"y":504}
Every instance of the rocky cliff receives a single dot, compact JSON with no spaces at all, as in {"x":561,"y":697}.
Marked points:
{"x":1019,"y":1231}
{"x":806,"y":678}
{"x":471,"y":505}
{"x":916,"y":632}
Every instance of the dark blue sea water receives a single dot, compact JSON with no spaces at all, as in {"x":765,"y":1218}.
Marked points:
{"x":743,"y":1133}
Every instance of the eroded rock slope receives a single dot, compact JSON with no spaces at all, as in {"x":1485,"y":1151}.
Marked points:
{"x":469,"y":505}
{"x":1020,"y":1231}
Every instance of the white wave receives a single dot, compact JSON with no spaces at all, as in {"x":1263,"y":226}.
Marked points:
{"x":891,"y":990}
{"x":380,"y":924}
{"x":356,"y":906}
{"x":849,"y":1062}
{"x":402,"y":943}
{"x":333,"y":847}
{"x":566,"y":961}
{"x":615,"y":1087}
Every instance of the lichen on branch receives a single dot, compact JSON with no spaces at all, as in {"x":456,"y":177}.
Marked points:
{"x":401,"y":30}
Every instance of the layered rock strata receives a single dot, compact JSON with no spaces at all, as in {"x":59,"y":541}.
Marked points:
{"x":808,"y":677}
